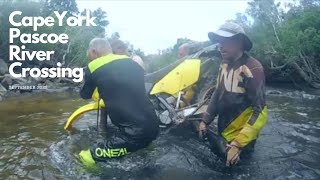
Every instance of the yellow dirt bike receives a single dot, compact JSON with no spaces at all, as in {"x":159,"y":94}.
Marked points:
{"x":177,"y":91}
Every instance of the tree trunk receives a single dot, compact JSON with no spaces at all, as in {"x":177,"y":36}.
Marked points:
{"x":304,"y":76}
{"x":275,"y":33}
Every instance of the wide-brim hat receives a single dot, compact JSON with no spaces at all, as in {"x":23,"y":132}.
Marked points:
{"x":230,"y":29}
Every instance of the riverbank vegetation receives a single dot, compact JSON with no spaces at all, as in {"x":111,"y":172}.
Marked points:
{"x":286,"y":37}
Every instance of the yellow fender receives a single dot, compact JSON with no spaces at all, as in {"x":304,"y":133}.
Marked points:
{"x":181,"y":77}
{"x":83,"y":109}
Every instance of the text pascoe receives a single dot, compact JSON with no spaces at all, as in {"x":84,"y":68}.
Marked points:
{"x":37,"y":38}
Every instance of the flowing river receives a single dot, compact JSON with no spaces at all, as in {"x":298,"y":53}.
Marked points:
{"x":34,"y":144}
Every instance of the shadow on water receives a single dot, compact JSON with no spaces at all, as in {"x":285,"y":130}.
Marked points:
{"x":35,"y":146}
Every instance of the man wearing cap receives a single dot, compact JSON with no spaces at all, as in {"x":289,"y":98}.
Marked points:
{"x":239,"y":99}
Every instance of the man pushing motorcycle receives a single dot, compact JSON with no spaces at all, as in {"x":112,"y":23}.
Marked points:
{"x":120,"y":83}
{"x":239,"y":99}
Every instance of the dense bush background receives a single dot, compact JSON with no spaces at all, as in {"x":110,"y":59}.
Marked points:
{"x":286,"y":37}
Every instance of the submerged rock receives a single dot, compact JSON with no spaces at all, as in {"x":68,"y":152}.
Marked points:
{"x":3,"y":67}
{"x":273,"y":92}
{"x":3,"y":90}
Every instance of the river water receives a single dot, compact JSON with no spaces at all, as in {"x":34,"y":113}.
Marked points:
{"x":35,"y":146}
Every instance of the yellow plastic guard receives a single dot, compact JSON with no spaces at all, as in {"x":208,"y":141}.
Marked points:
{"x":184,"y":75}
{"x":80,"y":111}
{"x":86,"y":108}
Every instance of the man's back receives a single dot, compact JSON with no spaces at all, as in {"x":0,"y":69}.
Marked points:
{"x":121,"y":85}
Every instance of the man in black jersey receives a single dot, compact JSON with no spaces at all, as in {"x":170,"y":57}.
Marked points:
{"x":120,"y":83}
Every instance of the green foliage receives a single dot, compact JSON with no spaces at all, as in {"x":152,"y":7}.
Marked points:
{"x":162,"y":60}
{"x":29,"y":9}
{"x":166,"y":57}
{"x":79,"y":41}
{"x":282,"y":38}
{"x":139,"y":52}
{"x":179,"y":42}
{"x":81,"y":36}
{"x":100,"y":20}
{"x":302,"y":34}
{"x":115,"y":36}
{"x":60,"y":6}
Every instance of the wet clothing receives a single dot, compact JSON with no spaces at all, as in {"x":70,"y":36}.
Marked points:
{"x":218,"y":144}
{"x":120,"y":83}
{"x":239,"y":101}
{"x":118,"y":145}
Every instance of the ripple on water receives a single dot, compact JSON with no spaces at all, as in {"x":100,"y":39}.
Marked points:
{"x":161,"y":156}
{"x":288,"y":148}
